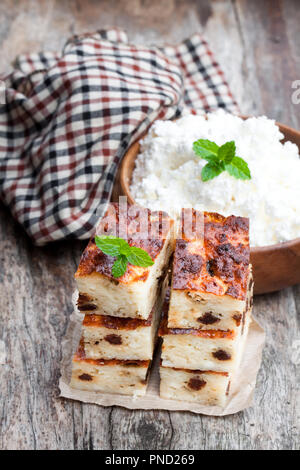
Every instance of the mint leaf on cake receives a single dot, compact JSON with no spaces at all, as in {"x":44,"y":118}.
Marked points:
{"x":115,"y":246}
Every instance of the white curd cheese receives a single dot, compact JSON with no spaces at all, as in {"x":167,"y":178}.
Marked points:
{"x":168,"y":174}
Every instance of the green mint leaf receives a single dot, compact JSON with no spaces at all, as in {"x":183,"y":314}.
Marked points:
{"x":227,"y":151}
{"x":125,"y":249}
{"x":220,"y":159}
{"x":238,"y":168}
{"x":139,"y":257}
{"x":210,"y":171}
{"x":212,"y":159}
{"x":109,"y":244}
{"x":119,"y":267}
{"x":114,"y":246}
{"x":206,"y":149}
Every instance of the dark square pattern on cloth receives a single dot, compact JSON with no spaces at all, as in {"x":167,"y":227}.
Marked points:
{"x":68,"y":119}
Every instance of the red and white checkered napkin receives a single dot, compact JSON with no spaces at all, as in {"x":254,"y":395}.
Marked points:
{"x":69,"y":118}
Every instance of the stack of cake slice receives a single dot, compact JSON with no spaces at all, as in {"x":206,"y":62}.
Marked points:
{"x":121,"y":316}
{"x":206,"y":321}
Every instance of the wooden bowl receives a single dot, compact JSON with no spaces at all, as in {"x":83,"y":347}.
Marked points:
{"x":274,"y":266}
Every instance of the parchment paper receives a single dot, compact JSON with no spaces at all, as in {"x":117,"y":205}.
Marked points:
{"x":240,"y":396}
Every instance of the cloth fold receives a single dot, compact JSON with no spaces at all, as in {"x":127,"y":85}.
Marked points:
{"x":68,"y":119}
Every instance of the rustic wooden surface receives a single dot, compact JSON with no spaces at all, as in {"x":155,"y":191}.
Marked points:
{"x":258,"y":45}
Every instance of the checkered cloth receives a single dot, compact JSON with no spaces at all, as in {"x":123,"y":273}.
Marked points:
{"x":69,"y":118}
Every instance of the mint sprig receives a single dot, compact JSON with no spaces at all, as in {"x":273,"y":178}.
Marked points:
{"x":124,"y":253}
{"x":220,"y":159}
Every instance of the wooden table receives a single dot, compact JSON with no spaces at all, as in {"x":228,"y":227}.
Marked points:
{"x":258,"y":46}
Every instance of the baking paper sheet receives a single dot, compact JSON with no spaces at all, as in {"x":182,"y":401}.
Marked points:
{"x":241,"y":390}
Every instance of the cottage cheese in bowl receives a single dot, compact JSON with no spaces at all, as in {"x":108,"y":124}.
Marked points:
{"x":167,"y":174}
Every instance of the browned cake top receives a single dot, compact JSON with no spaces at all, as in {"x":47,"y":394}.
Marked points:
{"x":212,"y":334}
{"x":115,"y":323}
{"x":80,"y":356}
{"x":216,"y":259}
{"x":153,"y":236}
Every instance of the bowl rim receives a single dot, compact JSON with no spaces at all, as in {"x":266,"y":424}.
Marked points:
{"x":255,"y":249}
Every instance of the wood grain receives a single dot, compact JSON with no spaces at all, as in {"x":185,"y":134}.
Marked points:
{"x":257,"y":44}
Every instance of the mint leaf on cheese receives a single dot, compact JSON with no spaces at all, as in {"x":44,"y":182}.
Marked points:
{"x":238,"y":168}
{"x":204,"y":148}
{"x":227,"y":151}
{"x":220,"y":158}
{"x":210,"y":171}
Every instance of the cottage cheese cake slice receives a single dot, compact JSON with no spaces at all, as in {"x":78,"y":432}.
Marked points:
{"x":211,"y":273}
{"x":208,"y":388}
{"x":133,"y":294}
{"x":109,"y":375}
{"x":204,"y":349}
{"x":122,"y":338}
{"x":204,"y":386}
{"x":215,"y":350}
